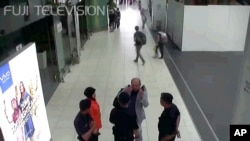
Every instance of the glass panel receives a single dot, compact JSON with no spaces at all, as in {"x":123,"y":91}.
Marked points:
{"x":57,"y":32}
{"x":83,"y":25}
{"x":72,"y":38}
{"x":40,"y":33}
{"x":66,"y":41}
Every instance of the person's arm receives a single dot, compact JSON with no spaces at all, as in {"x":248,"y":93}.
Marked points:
{"x":178,"y":114}
{"x":127,"y":89}
{"x":86,"y":136}
{"x":178,"y":122}
{"x":144,"y":99}
{"x":167,"y":137}
{"x":83,"y":131}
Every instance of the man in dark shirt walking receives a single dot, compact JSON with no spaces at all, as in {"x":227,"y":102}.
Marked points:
{"x":125,"y":126}
{"x":84,"y":124}
{"x":169,"y":120}
{"x":138,"y":45}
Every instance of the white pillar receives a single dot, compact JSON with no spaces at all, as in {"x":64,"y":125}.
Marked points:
{"x":159,"y":14}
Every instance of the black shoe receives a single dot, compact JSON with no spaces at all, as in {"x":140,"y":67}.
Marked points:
{"x":136,"y":61}
{"x":143,"y":63}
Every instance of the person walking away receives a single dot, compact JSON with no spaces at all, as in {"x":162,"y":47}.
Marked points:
{"x":111,"y":11}
{"x":139,"y":5}
{"x":140,"y":40}
{"x":83,"y":123}
{"x":169,"y":120}
{"x":144,"y":18}
{"x":138,"y":101}
{"x":118,"y":17}
{"x":159,"y":46}
{"x":94,"y":110}
{"x":125,"y":126}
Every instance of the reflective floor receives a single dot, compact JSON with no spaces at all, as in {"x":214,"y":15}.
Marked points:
{"x":107,"y":64}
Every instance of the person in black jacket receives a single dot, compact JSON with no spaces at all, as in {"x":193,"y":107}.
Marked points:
{"x":117,"y":17}
{"x":159,"y":46}
{"x":125,"y":126}
{"x":169,"y":120}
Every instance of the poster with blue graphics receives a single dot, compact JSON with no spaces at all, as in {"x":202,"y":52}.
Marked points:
{"x":22,"y":109}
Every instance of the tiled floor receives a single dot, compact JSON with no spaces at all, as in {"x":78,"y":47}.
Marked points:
{"x":107,"y":64}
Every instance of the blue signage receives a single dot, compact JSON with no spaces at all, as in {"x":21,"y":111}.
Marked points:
{"x":5,"y":77}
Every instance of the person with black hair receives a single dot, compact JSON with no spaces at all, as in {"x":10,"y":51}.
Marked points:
{"x":94,"y":111}
{"x":83,"y":123}
{"x":125,"y":126}
{"x":169,"y":120}
{"x":159,"y":46}
{"x":138,"y":37}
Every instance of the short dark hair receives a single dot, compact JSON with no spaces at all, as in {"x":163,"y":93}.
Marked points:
{"x":167,"y":97}
{"x":89,"y":91}
{"x":123,"y":98}
{"x":136,"y":28}
{"x":84,"y":104}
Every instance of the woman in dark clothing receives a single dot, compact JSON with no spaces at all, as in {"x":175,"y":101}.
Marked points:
{"x":159,"y":45}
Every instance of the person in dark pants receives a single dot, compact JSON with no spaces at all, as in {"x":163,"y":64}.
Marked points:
{"x":111,"y":11}
{"x":111,"y":19}
{"x":84,"y":124}
{"x":159,"y":46}
{"x":169,"y":120}
{"x":117,"y":17}
{"x":138,"y":45}
{"x":125,"y":126}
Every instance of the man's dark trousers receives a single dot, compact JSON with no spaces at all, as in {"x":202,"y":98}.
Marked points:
{"x":138,"y":53}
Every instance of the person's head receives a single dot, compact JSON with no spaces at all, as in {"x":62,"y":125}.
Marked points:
{"x":166,"y":100}
{"x":84,"y":106}
{"x":136,"y":28}
{"x":123,"y":99}
{"x":117,"y":9}
{"x":136,"y":84}
{"x":22,"y":88}
{"x":89,"y":92}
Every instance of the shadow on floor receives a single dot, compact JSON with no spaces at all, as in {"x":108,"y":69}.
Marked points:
{"x":209,"y":80}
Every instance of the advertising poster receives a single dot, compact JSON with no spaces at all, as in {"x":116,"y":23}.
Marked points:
{"x":23,"y":114}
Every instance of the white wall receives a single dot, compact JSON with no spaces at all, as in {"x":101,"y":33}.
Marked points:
{"x":159,"y":8}
{"x":175,"y":14}
{"x":144,"y":4}
{"x":242,"y":110}
{"x":215,"y":28}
